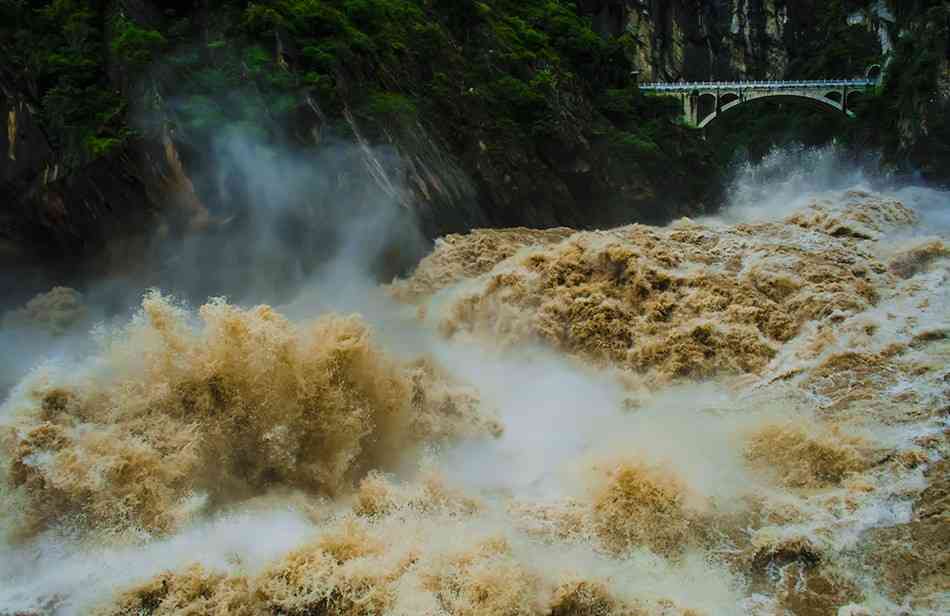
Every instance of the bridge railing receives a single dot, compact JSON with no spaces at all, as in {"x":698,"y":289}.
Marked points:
{"x":755,"y":85}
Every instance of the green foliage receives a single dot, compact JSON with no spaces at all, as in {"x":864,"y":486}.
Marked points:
{"x":510,"y":55}
{"x":133,"y":45}
{"x":510,"y":69}
{"x":903,"y":119}
{"x":389,"y":106}
{"x":633,"y":146}
{"x":461,"y":15}
{"x":515,"y":96}
{"x":628,"y":106}
{"x":101,"y":146}
{"x":57,"y":48}
{"x":915,"y":64}
{"x":260,"y":19}
{"x":504,"y":65}
{"x":910,"y":122}
{"x":832,"y":47}
{"x":908,"y":10}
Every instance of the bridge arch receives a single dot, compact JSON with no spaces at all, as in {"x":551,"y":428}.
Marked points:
{"x":726,"y":98}
{"x":822,"y":102}
{"x":704,"y":101}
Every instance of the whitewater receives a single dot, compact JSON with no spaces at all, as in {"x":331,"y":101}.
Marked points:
{"x":745,"y":413}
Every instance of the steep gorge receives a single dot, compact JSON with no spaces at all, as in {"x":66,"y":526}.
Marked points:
{"x":211,"y":405}
{"x":468,"y":114}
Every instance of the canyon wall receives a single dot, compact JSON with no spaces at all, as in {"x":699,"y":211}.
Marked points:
{"x":488,"y":114}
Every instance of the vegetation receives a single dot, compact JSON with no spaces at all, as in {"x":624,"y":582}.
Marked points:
{"x":908,"y":120}
{"x":258,"y":60}
{"x":498,"y":71}
{"x":903,"y":119}
{"x":832,"y":46}
{"x":55,"y":48}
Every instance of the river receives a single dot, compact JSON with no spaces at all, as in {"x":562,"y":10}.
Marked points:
{"x":742,"y":414}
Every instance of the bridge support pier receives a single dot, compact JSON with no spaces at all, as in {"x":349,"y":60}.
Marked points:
{"x":691,"y":108}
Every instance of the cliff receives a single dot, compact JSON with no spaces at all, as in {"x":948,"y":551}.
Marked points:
{"x":748,"y":39}
{"x":469,"y":114}
{"x":497,"y":115}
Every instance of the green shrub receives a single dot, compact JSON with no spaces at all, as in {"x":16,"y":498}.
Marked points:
{"x":508,"y":93}
{"x":635,"y":146}
{"x":100,"y":146}
{"x":133,"y":45}
{"x":389,"y":105}
{"x":259,"y":19}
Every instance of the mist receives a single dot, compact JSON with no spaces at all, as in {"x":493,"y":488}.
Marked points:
{"x":282,"y":216}
{"x":791,"y":177}
{"x":282,"y":220}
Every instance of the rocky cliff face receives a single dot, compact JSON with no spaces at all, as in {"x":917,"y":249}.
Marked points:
{"x":708,"y":40}
{"x":78,"y":219}
{"x":753,"y":39}
{"x":490,"y":114}
{"x":52,"y":217}
{"x":468,"y":116}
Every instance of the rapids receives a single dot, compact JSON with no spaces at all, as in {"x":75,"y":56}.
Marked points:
{"x":743,"y":414}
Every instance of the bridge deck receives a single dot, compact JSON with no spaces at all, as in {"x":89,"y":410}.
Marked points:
{"x":755,"y":85}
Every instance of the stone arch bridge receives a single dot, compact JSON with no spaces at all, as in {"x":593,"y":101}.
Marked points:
{"x":703,"y":102}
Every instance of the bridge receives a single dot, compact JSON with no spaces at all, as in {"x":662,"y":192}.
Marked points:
{"x":705,"y":101}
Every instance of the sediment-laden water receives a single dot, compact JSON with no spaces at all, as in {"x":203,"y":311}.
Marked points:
{"x":744,"y":414}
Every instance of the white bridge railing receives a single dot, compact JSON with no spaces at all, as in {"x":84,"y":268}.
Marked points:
{"x":755,"y":85}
